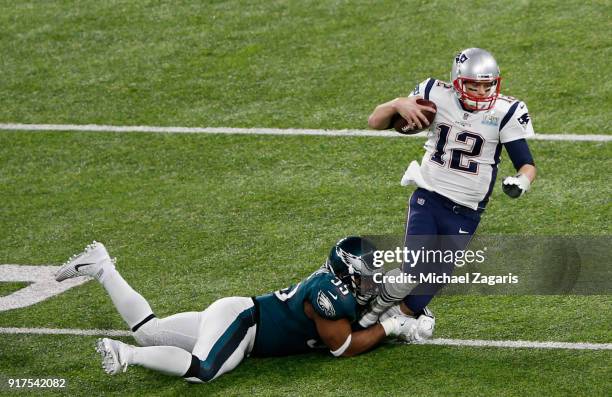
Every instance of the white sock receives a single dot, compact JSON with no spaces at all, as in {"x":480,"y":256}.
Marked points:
{"x":132,"y":307}
{"x":169,"y":360}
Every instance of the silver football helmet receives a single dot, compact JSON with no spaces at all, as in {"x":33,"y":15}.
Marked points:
{"x":475,"y":65}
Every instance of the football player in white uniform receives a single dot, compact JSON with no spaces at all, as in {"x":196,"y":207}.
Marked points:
{"x":458,"y":170}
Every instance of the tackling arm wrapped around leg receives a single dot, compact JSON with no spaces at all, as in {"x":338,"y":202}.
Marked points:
{"x":390,"y":294}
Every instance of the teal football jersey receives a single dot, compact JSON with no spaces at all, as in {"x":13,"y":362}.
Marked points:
{"x":283,"y":327}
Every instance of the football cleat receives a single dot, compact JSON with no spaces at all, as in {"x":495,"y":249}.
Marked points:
{"x":114,"y":355}
{"x":90,"y":262}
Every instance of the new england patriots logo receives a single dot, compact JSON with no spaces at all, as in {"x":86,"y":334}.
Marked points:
{"x":460,"y":58}
{"x":524,"y":119}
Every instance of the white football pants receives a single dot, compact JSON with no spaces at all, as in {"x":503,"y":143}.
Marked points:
{"x":198,"y":345}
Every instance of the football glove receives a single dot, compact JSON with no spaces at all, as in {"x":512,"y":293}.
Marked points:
{"x":516,"y":186}
{"x":399,"y":325}
{"x":421,"y":329}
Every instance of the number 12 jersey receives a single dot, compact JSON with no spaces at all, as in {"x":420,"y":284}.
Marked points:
{"x":463,"y":148}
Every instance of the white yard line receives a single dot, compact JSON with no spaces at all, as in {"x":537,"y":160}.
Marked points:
{"x":65,"y":331}
{"x":259,"y":131}
{"x":439,"y":342}
{"x":520,"y":344}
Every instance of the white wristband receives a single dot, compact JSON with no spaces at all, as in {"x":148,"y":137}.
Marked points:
{"x":338,"y":352}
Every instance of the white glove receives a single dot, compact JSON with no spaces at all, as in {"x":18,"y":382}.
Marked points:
{"x":399,"y":325}
{"x":421,"y":329}
{"x":516,"y":186}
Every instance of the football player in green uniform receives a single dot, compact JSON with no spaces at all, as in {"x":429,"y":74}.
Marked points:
{"x":202,"y":345}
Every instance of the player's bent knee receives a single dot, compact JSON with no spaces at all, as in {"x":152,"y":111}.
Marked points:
{"x":145,"y":334}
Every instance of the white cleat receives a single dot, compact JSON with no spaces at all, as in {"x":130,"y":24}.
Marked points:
{"x":114,"y":355}
{"x":90,"y":262}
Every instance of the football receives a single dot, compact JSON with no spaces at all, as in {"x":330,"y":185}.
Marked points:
{"x":402,"y":126}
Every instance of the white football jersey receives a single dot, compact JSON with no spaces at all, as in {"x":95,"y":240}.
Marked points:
{"x":463,"y":148}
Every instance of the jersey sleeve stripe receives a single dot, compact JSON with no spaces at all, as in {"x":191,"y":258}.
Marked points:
{"x":338,"y":352}
{"x":508,"y":115}
{"x":430,"y":84}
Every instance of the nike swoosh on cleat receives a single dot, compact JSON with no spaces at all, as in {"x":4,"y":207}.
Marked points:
{"x":81,"y":265}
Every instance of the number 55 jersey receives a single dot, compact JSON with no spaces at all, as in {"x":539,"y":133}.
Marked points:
{"x":283,"y":327}
{"x":463,"y":148}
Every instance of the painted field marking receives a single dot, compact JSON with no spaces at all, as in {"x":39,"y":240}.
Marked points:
{"x":260,"y":131}
{"x":519,"y":344}
{"x":439,"y":341}
{"x":41,"y":285}
{"x":64,"y":331}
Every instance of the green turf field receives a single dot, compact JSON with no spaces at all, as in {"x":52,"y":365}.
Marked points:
{"x":193,"y":218}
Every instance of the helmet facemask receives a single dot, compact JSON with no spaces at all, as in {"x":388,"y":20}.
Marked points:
{"x":477,"y":66}
{"x":475,"y":102}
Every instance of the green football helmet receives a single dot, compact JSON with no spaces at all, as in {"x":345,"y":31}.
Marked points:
{"x":349,"y":260}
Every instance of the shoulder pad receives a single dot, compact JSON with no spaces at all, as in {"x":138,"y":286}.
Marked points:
{"x":419,"y":90}
{"x":437,"y":89}
{"x":504,"y":102}
{"x":331,"y":299}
